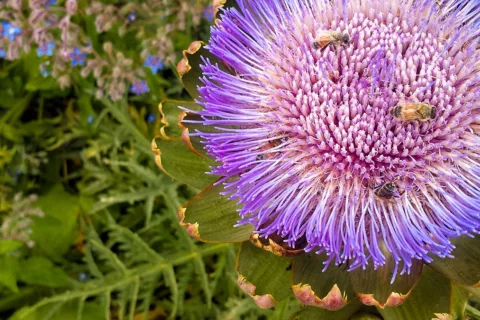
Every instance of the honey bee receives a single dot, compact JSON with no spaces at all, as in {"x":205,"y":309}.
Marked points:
{"x":411,"y":111}
{"x":327,"y":37}
{"x":387,"y":190}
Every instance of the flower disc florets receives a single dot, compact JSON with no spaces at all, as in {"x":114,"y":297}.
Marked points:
{"x":306,"y":137}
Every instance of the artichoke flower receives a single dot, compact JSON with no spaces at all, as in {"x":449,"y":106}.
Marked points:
{"x":338,"y":140}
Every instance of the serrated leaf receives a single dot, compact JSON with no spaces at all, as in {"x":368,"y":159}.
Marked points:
{"x":170,"y":112}
{"x":211,"y":217}
{"x":189,"y":67}
{"x":330,"y":289}
{"x":263,"y":274}
{"x":190,"y":127}
{"x":176,"y":160}
{"x":374,"y":287}
{"x":433,"y":294}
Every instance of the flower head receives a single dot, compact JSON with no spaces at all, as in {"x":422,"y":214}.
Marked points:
{"x":77,"y":57}
{"x":46,"y":49}
{"x":10,"y":31}
{"x":154,"y":63}
{"x":139,"y":87}
{"x":302,"y":123}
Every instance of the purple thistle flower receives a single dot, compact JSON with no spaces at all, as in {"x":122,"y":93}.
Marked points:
{"x":10,"y":31}
{"x":306,"y":137}
{"x":154,"y":63}
{"x":46,"y":49}
{"x":77,"y":57}
{"x":139,"y":87}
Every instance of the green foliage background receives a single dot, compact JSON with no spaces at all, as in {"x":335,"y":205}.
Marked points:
{"x":110,"y":245}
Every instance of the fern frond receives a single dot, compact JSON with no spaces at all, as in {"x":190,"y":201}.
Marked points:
{"x":128,"y":286}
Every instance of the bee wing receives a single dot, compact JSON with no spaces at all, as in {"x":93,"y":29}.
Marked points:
{"x":323,"y":35}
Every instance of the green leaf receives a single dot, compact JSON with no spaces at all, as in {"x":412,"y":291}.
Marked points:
{"x":55,"y":233}
{"x":472,"y":312}
{"x":211,"y":217}
{"x":62,"y":311}
{"x":374,"y":287}
{"x":459,"y":299}
{"x":41,"y":271}
{"x":263,"y":275}
{"x":312,"y":313}
{"x":365,"y":316}
{"x":464,"y":268}
{"x":119,"y":112}
{"x":194,"y":142}
{"x":331,"y":289}
{"x":8,"y":267}
{"x":189,"y":67}
{"x":40,"y":83}
{"x":170,"y":112}
{"x":9,"y":245}
{"x":176,"y":160}
{"x":433,"y":294}
{"x":474,"y":290}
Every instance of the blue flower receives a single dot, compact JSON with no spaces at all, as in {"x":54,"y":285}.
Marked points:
{"x":46,"y":49}
{"x":208,"y":13}
{"x":3,"y":54}
{"x":154,"y":63}
{"x":50,"y":3}
{"x":132,"y":16}
{"x":90,"y":119}
{"x":83,"y":276}
{"x":44,"y":72}
{"x":77,"y":57}
{"x":10,"y":31}
{"x":151,"y":117}
{"x":139,"y":87}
